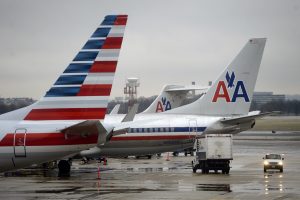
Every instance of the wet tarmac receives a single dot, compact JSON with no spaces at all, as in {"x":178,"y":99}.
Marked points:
{"x":160,"y":179}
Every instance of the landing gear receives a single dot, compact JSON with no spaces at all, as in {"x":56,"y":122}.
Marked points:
{"x":64,"y":168}
{"x":147,"y":156}
{"x":175,"y":153}
{"x":281,"y":170}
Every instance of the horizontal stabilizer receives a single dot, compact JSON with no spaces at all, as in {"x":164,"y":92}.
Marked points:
{"x":246,"y":118}
{"x":222,"y":130}
{"x":188,"y":88}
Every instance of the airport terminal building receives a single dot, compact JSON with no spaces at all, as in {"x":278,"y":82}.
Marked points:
{"x":264,"y":97}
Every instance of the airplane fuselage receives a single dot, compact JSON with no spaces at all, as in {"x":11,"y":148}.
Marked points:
{"x":156,"y":133}
{"x":23,"y":143}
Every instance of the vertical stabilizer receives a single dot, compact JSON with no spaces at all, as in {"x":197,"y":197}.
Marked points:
{"x":167,"y":100}
{"x":231,"y":93}
{"x":81,"y":92}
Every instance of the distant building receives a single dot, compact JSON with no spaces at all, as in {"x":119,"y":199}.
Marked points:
{"x":293,"y":97}
{"x":265,"y":97}
{"x":16,"y":101}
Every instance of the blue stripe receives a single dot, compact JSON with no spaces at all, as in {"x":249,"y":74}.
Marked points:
{"x":165,"y":129}
{"x":70,"y":80}
{"x":62,"y":91}
{"x":78,"y":68}
{"x":93,"y":44}
{"x":109,"y":20}
{"x":101,"y":32}
{"x":86,"y":56}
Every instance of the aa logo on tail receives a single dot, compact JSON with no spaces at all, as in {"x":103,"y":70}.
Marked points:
{"x":163,"y":105}
{"x":222,"y":90}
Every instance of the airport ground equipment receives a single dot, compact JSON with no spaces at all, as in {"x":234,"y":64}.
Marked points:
{"x":273,"y":161}
{"x":213,"y":152}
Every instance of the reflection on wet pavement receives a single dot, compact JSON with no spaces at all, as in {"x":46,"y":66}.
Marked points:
{"x":158,"y":179}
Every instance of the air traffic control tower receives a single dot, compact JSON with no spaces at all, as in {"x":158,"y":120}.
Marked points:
{"x":130,"y":91}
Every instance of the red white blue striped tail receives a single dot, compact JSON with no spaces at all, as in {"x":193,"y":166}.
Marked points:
{"x":82,"y":91}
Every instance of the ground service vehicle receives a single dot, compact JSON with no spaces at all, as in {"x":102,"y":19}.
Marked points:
{"x":213,"y":152}
{"x":273,"y":161}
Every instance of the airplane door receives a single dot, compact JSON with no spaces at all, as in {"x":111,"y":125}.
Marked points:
{"x":193,"y":128}
{"x":20,"y":143}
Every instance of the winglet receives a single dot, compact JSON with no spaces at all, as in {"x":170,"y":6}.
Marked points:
{"x":115,"y":110}
{"x":131,"y":113}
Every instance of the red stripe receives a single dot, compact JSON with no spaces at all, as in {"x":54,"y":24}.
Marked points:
{"x":112,"y":43}
{"x":7,"y":141}
{"x":160,"y":137}
{"x":121,"y":20}
{"x":50,"y":139}
{"x":104,"y":66}
{"x":66,"y":114}
{"x":95,"y":90}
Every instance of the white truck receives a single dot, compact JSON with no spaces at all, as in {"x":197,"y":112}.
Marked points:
{"x":213,"y":152}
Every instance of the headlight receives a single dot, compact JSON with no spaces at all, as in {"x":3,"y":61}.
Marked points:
{"x":280,"y":163}
{"x":266,"y":162}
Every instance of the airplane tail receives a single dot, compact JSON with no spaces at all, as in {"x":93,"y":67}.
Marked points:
{"x":82,"y":90}
{"x":232,"y":92}
{"x":171,"y":96}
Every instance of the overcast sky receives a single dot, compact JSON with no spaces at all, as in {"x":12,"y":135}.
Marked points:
{"x":165,"y":41}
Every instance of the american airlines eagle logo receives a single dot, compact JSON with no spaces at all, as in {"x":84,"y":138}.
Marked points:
{"x":222,"y":90}
{"x":163,"y":105}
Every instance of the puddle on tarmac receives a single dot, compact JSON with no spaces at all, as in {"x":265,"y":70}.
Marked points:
{"x":60,"y":190}
{"x":31,"y":173}
{"x":151,"y":169}
{"x":213,"y":187}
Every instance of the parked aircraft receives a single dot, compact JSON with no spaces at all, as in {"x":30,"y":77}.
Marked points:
{"x":170,"y":97}
{"x":66,"y":120}
{"x":223,"y":109}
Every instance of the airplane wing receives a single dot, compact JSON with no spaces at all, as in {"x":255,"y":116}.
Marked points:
{"x":91,"y":127}
{"x":87,"y":128}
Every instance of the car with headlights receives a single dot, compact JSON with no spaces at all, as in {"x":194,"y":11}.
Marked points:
{"x":273,"y":161}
